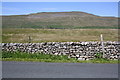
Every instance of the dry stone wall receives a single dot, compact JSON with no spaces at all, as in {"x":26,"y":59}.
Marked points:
{"x":79,"y":50}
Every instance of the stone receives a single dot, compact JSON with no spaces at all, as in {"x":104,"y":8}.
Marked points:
{"x":80,"y":50}
{"x":81,"y":59}
{"x":55,"y":53}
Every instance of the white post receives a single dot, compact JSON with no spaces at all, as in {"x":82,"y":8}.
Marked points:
{"x":102,"y":44}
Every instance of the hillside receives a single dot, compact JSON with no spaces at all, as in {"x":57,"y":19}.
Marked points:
{"x":59,"y":20}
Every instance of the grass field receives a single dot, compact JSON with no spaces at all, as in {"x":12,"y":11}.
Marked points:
{"x":40,"y":57}
{"x":17,"y":35}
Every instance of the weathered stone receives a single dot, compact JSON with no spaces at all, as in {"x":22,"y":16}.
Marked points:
{"x":81,"y":59}
{"x":84,"y":50}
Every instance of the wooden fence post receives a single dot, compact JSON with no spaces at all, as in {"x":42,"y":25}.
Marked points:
{"x":102,"y":44}
{"x":29,"y":39}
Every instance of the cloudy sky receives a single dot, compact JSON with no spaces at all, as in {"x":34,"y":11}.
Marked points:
{"x":97,"y":8}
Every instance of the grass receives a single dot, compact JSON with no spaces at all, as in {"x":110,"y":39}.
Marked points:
{"x":66,"y":20}
{"x":16,"y":35}
{"x":36,"y":56}
{"x":40,"y":57}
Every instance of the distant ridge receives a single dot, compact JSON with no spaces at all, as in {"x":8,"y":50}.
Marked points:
{"x":59,"y":20}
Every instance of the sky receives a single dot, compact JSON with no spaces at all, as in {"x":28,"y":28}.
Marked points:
{"x":96,"y":8}
{"x":60,"y":0}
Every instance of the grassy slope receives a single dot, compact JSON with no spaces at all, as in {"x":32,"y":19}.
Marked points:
{"x":60,"y":20}
{"x":57,"y":35}
{"x":40,"y":57}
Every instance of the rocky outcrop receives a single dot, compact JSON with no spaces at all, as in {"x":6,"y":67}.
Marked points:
{"x":79,"y":50}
